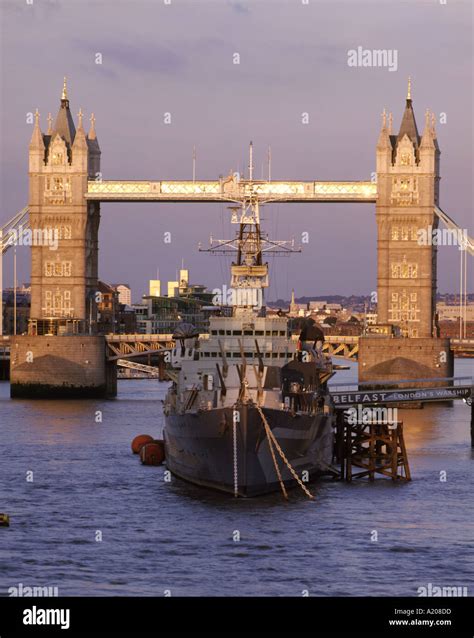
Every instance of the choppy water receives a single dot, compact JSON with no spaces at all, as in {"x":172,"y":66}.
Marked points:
{"x":159,"y":536}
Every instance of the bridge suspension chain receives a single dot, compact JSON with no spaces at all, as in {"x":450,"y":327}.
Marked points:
{"x":7,"y":230}
{"x":451,"y":224}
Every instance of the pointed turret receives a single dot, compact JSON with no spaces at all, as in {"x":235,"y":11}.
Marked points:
{"x":94,"y":149}
{"x":80,"y":147}
{"x":92,"y":134}
{"x":64,"y":124}
{"x":384,"y":147}
{"x":80,"y":137}
{"x":433,"y":132}
{"x":64,"y":93}
{"x":427,"y":140}
{"x":36,"y":142}
{"x":36,"y":154}
{"x":408,"y":125}
{"x":384,"y":138}
{"x":429,"y":150}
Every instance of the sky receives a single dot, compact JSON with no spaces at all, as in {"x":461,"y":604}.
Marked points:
{"x":177,"y":57}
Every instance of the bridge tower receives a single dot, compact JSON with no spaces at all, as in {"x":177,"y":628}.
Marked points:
{"x":63,"y":272}
{"x":407,"y":167}
{"x":407,"y":192}
{"x":61,"y":356}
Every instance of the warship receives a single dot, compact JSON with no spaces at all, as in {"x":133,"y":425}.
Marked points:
{"x":248,"y":411}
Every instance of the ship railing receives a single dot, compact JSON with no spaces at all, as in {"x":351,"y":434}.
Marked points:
{"x":305,"y":402}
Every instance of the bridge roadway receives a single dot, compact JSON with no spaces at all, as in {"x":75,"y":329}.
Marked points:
{"x":126,"y":346}
{"x":343,"y":346}
{"x":136,"y":345}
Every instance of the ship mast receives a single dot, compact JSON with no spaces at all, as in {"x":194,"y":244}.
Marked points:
{"x":249,"y":272}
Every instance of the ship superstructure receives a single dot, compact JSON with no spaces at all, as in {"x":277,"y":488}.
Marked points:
{"x":248,"y":411}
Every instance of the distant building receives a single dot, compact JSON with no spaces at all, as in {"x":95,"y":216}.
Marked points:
{"x":23,"y":303}
{"x":124,"y":292}
{"x":113,"y":316}
{"x":107,"y":308}
{"x":450,"y":329}
{"x":351,"y":328}
{"x":141,"y":317}
{"x":293,"y":309}
{"x":317,"y":305}
{"x":452,"y":313}
{"x":333,"y":307}
{"x":185,"y":302}
{"x":127,"y":322}
{"x":297,"y":309}
{"x":154,"y":288}
{"x":183,"y":279}
{"x":163,"y":314}
{"x":173,"y":288}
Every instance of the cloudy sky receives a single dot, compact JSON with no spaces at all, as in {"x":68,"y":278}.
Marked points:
{"x":177,"y":56}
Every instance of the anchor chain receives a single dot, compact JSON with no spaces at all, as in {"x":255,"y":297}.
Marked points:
{"x":234,"y":443}
{"x":271,"y":437}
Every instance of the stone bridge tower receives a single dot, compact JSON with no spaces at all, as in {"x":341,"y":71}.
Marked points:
{"x":61,"y":356}
{"x":407,"y":191}
{"x":63,"y":279}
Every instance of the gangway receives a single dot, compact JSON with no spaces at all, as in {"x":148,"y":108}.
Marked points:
{"x":388,"y":391}
{"x":378,"y":393}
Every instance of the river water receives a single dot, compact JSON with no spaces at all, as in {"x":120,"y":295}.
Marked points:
{"x":89,"y":519}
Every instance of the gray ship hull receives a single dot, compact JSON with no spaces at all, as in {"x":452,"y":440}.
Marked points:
{"x":201,"y":448}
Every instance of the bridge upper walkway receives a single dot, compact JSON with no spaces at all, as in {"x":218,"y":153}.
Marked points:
{"x":231,"y":190}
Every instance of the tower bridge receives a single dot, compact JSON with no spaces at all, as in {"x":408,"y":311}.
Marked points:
{"x":62,"y":355}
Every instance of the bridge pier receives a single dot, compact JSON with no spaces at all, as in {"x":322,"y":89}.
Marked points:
{"x":4,"y":363}
{"x":61,"y":367}
{"x":385,"y":358}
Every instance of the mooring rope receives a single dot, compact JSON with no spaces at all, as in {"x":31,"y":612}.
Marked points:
{"x":277,"y":469}
{"x":236,"y":470}
{"x":271,"y":437}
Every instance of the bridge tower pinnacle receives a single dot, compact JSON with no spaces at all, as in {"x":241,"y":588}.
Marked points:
{"x":407,"y":167}
{"x":64,"y":259}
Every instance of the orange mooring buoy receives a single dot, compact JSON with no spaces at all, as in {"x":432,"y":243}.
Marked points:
{"x":139,"y":441}
{"x":153,"y":453}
